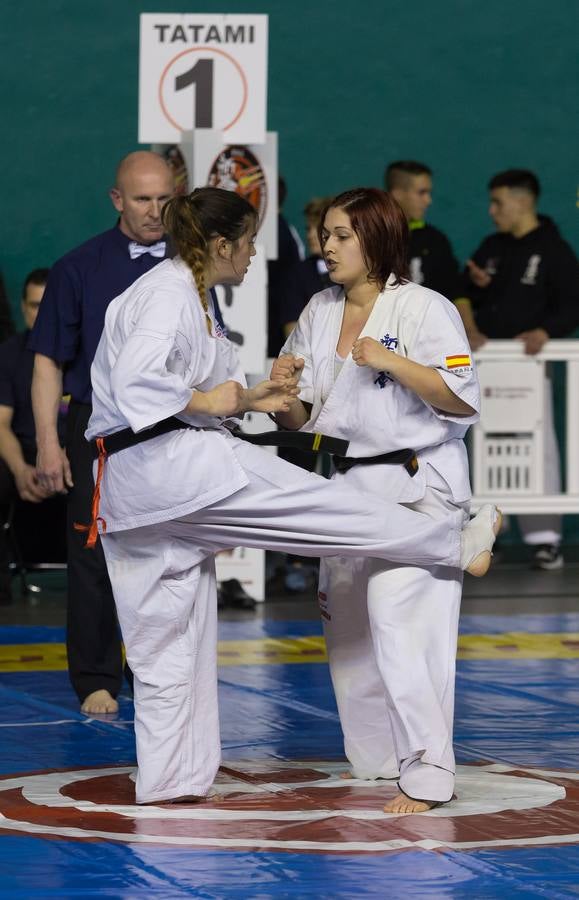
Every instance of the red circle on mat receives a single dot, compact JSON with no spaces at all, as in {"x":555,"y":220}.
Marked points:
{"x":296,"y":806}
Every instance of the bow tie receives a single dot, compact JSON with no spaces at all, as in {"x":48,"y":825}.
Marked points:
{"x":136,"y":250}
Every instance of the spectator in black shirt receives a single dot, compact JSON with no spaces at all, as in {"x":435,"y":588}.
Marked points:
{"x":431,"y":260}
{"x":18,"y":479}
{"x":523,"y":283}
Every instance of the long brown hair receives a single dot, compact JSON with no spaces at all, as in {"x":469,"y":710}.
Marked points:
{"x":192,"y":220}
{"x":382,"y":230}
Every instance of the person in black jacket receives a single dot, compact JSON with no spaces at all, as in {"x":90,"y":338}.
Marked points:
{"x":19,"y":484}
{"x":523,"y":283}
{"x":431,"y":259}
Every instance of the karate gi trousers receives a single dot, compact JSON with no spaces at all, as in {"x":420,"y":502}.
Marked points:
{"x":163,"y":579}
{"x":391,"y":634}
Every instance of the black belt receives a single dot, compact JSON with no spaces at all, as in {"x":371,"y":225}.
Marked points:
{"x":120,"y":440}
{"x":298,"y":440}
{"x":406,"y":458}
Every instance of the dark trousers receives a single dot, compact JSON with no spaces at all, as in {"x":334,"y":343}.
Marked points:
{"x":93,"y":639}
{"x":37,"y":531}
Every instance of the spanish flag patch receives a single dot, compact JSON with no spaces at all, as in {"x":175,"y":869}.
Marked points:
{"x":458,"y":362}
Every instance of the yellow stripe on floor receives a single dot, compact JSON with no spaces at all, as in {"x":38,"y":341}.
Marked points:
{"x":283,"y":651}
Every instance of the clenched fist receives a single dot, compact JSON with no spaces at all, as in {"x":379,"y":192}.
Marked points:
{"x":287,"y":366}
{"x":368,"y":352}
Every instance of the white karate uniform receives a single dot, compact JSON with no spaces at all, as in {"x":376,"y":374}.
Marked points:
{"x":169,"y":503}
{"x":391,"y":630}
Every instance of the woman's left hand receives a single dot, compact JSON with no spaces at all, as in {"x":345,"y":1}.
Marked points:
{"x":368,"y":352}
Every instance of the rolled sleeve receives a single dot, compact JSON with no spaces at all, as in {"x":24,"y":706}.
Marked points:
{"x":441,"y":344}
{"x":299,"y":344}
{"x":56,"y":332}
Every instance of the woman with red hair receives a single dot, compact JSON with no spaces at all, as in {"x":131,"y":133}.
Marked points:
{"x":385,"y":364}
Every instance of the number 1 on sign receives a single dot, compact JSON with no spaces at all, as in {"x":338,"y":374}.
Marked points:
{"x":201,"y":75}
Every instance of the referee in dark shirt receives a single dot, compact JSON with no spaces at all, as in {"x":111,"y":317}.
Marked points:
{"x":69,"y":325}
{"x":431,"y":260}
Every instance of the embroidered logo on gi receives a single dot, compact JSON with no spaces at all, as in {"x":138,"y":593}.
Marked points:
{"x":460,"y":363}
{"x":382,"y":379}
{"x":391,"y":343}
{"x":530,"y":276}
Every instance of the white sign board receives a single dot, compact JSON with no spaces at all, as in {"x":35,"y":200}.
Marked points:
{"x":247,"y":565}
{"x":202,"y":71}
{"x":511,"y":395}
{"x":244,"y":310}
{"x":248,"y":169}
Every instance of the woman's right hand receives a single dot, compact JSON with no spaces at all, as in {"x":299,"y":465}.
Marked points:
{"x":227,"y":399}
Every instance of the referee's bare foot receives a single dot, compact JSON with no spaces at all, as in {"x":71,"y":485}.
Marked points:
{"x":401,"y":803}
{"x":99,"y":702}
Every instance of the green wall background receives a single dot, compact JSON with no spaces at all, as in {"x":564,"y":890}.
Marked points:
{"x":470,"y":87}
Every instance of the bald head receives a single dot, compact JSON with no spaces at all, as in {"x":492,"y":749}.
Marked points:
{"x":139,"y":162}
{"x":143,"y":184}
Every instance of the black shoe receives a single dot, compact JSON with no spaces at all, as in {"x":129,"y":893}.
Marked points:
{"x":548,"y":557}
{"x":233,"y":595}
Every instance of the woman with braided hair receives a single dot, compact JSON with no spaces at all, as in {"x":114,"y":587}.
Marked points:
{"x":174,"y":485}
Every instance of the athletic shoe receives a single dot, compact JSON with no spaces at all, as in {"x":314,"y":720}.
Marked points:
{"x":548,"y":557}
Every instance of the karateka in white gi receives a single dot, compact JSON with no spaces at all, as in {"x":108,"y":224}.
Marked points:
{"x":386,"y":364}
{"x":165,"y":505}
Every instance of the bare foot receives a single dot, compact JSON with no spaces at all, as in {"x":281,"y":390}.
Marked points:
{"x":99,"y":702}
{"x":478,"y":538}
{"x":188,"y":798}
{"x":346,"y":775}
{"x":403,"y":804}
{"x":194,"y":798}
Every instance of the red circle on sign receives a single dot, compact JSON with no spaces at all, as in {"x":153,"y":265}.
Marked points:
{"x":207,"y":50}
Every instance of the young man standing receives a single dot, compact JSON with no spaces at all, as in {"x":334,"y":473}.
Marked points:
{"x":432,"y":262}
{"x":523,"y":283}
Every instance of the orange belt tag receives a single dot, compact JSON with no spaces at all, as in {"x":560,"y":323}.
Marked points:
{"x":93,"y":528}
